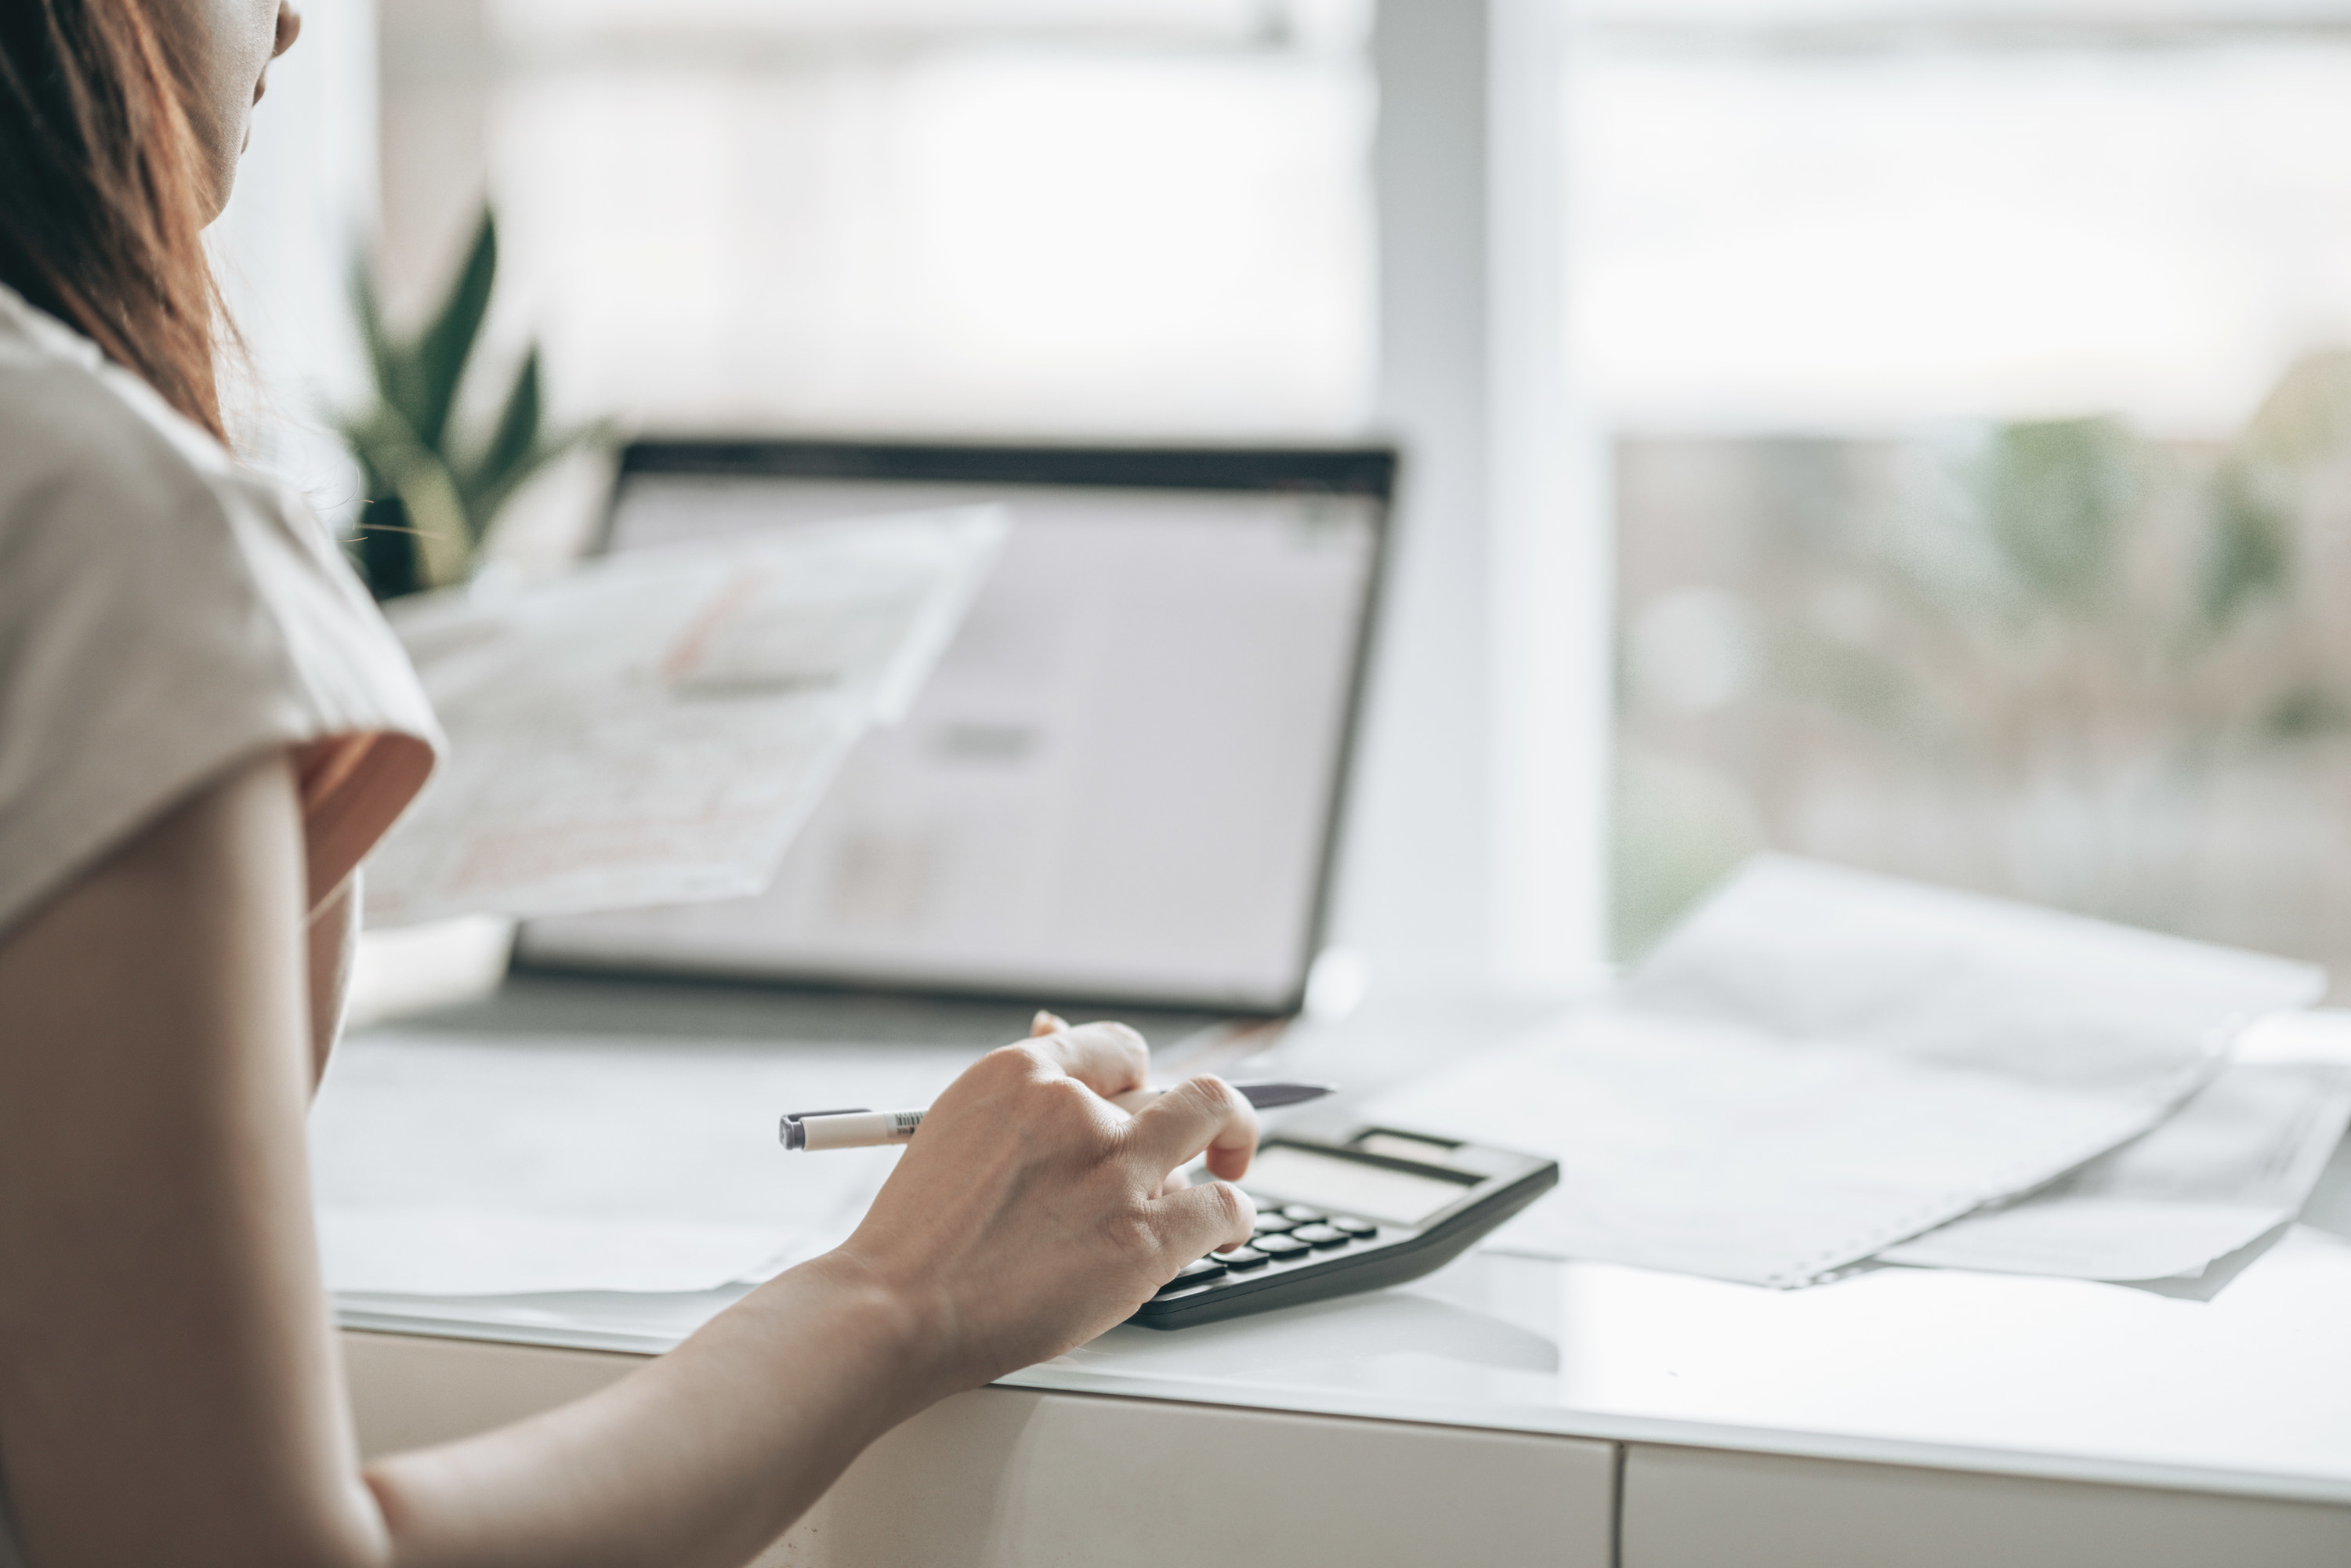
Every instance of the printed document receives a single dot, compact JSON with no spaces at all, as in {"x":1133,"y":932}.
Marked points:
{"x":653,"y":727}
{"x":2232,"y":1164}
{"x":1821,"y":1063}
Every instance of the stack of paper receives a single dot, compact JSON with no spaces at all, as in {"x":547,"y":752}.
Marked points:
{"x":653,"y":727}
{"x":2232,"y":1164}
{"x":1822,"y":1063}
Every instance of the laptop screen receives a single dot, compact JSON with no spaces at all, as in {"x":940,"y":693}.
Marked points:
{"x":1122,"y":780}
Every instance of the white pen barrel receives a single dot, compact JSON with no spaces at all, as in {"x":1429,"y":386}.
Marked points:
{"x":871,"y":1129}
{"x":863,"y":1131}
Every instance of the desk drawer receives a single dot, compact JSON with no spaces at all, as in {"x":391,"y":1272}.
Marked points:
{"x":1699,"y":1508}
{"x":1011,"y":1478}
{"x":410,"y":1391}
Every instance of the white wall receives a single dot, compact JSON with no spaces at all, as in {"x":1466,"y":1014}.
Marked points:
{"x":305,"y":200}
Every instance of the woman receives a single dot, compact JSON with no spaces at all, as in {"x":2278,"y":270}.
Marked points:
{"x":203,"y":726}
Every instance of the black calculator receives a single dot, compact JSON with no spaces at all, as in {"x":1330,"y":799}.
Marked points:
{"x":1376,"y":1205}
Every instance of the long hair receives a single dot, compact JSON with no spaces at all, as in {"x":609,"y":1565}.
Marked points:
{"x":101,"y":214}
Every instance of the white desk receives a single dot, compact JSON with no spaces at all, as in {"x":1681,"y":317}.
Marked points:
{"x":1518,"y":1410}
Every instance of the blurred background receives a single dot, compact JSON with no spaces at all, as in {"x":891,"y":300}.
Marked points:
{"x":1972,"y":377}
{"x":1908,"y":432}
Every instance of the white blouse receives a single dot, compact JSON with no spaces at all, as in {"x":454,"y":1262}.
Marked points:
{"x":166,"y":614}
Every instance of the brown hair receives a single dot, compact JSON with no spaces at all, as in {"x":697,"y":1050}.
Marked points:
{"x":101,"y":216}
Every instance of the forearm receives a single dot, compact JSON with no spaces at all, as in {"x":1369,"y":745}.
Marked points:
{"x":328,"y":945}
{"x":153,"y":1081}
{"x":701,"y":1458}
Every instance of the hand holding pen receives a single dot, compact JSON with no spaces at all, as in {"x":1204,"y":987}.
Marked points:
{"x":1029,"y":1218}
{"x":859,"y":1128}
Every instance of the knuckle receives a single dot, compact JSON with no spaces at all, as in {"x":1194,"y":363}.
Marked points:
{"x":1230,"y":1205}
{"x":1215,"y":1094}
{"x":1133,"y":1235}
{"x":1064,"y":1106}
{"x":1016,"y":1063}
{"x":1025,"y":1086}
{"x":1118,"y":1041}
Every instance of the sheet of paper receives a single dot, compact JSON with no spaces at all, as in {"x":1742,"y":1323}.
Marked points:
{"x":653,"y":727}
{"x":450,"y":1164}
{"x":1822,"y":1063}
{"x":470,"y":1251}
{"x":2234,"y":1162}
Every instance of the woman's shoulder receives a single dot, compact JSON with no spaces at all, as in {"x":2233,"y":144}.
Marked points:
{"x":101,"y":480}
{"x":113,"y":508}
{"x":162,"y":614}
{"x":88,"y":452}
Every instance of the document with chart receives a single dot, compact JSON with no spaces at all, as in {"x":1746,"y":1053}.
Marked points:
{"x":653,"y":728}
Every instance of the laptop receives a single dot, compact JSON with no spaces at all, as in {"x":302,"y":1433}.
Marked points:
{"x":1120,"y":793}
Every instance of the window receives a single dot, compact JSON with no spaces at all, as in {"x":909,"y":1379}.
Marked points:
{"x":1981,"y":458}
{"x":992,"y":215}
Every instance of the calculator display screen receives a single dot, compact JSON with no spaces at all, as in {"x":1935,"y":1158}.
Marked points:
{"x":1350,"y":1187}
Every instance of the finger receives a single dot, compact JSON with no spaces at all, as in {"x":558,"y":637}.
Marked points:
{"x":1107,"y":1058}
{"x":1203,"y":1112}
{"x":1211,"y":1217}
{"x":1046,"y":1023}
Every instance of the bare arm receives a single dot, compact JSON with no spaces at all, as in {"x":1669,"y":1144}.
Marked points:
{"x":168,"y":1387}
{"x":329,"y":946}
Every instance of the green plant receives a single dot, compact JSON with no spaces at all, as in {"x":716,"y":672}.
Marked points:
{"x":2060,"y":659}
{"x":2067,"y":598}
{"x":433,"y":491}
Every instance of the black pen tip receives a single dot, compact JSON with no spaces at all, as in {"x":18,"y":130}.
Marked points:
{"x":1266,"y":1097}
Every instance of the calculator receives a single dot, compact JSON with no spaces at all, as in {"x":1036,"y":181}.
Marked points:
{"x":1371,"y":1207}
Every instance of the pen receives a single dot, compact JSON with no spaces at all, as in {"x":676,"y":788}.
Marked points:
{"x":862,"y":1129}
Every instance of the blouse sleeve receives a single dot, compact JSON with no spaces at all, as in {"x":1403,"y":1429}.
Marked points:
{"x":163,"y":617}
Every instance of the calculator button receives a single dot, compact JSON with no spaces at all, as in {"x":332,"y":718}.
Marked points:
{"x":1198,"y":1271}
{"x":1361,"y":1230}
{"x":1273,"y":1224}
{"x":1303,"y":1215}
{"x":1241,"y":1258}
{"x":1321,"y":1236}
{"x":1279,"y":1246}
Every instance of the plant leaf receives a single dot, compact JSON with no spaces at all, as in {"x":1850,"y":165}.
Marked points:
{"x":416,"y":475}
{"x":513,"y":450}
{"x":2057,"y":495}
{"x":491,"y":497}
{"x":389,"y":363}
{"x":2249,"y":555}
{"x":448,"y":342}
{"x":438,"y":516}
{"x":369,"y":312}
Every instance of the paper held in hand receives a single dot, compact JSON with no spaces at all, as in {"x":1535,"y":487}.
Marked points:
{"x":653,"y":727}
